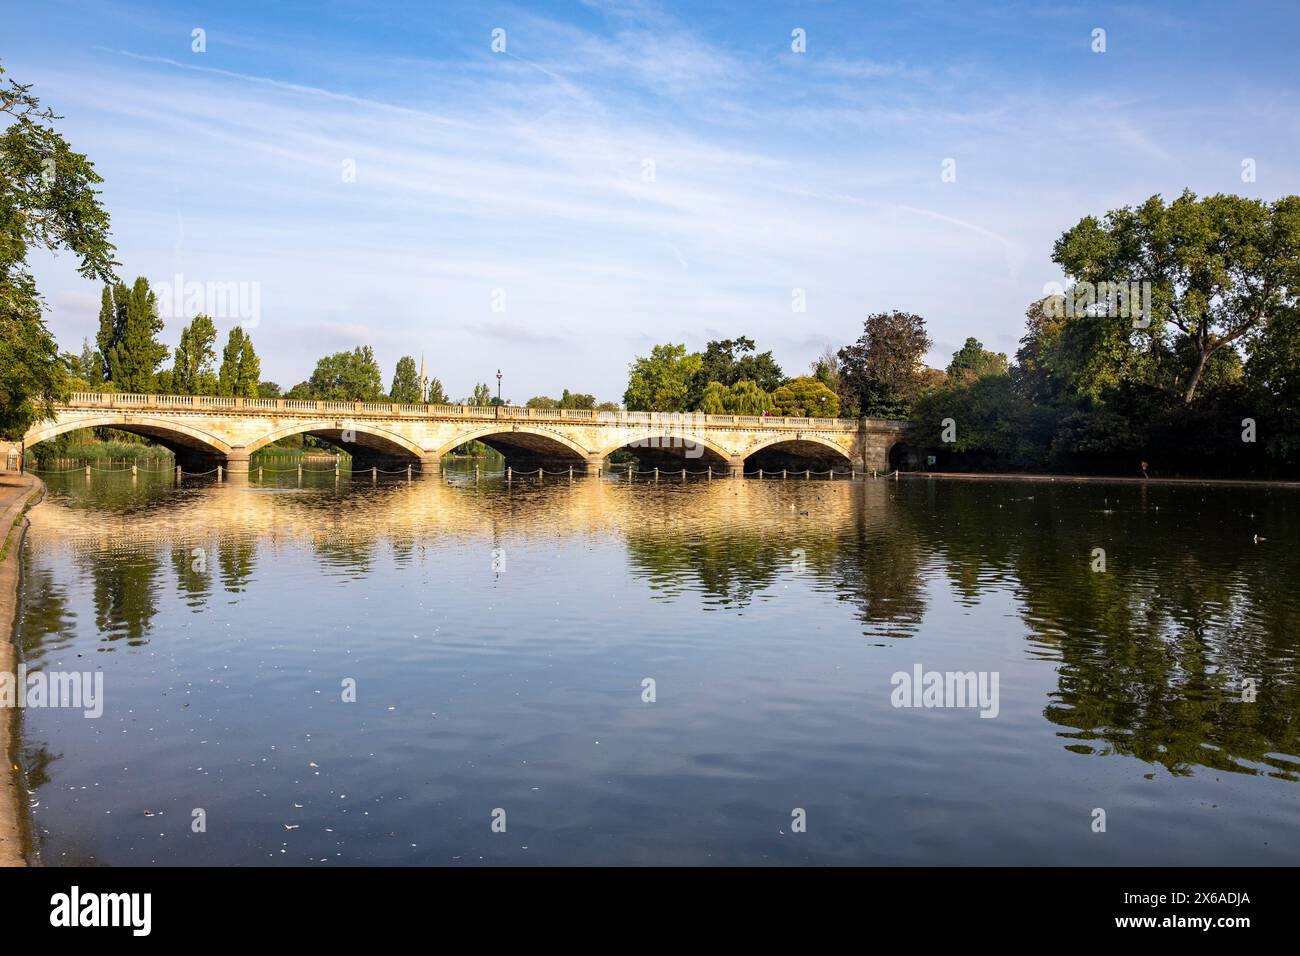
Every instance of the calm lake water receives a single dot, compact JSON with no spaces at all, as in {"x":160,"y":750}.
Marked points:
{"x":500,"y":638}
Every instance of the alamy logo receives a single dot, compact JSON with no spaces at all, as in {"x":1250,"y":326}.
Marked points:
{"x":134,"y":910}
{"x":219,"y":300}
{"x":77,"y":690}
{"x":946,"y":689}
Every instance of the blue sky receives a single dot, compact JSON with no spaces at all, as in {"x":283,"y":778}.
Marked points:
{"x":520,"y":178}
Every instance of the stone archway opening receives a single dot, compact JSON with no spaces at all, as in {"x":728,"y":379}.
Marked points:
{"x":799,"y":455}
{"x":190,"y":450}
{"x":671,"y":452}
{"x":365,"y":445}
{"x":525,"y":450}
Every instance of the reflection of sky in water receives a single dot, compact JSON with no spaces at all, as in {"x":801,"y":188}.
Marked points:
{"x":771,"y":617}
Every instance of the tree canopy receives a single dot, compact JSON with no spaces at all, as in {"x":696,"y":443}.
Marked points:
{"x":48,"y":200}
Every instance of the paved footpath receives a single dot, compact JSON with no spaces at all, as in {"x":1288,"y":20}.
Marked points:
{"x":17,"y":492}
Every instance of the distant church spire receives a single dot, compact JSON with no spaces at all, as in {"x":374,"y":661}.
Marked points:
{"x":424,"y":390}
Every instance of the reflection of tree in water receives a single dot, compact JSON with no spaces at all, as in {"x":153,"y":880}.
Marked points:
{"x":348,"y":550}
{"x":727,"y":566}
{"x":193,"y":575}
{"x":236,"y":556}
{"x":36,"y":761}
{"x":868,"y":560}
{"x":876,"y":566}
{"x":1154,"y":649}
{"x":47,"y":621}
{"x":124,"y":589}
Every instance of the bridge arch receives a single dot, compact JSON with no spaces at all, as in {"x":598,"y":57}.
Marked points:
{"x":668,"y":439}
{"x":520,"y":441}
{"x":797,"y":450}
{"x":176,"y":436}
{"x":361,"y":439}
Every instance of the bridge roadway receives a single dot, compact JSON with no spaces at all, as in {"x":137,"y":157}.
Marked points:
{"x":204,"y":430}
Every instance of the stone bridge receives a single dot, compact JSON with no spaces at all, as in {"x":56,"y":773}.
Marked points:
{"x":205,"y":430}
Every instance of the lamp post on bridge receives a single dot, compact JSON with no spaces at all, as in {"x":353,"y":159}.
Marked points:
{"x":498,"y":393}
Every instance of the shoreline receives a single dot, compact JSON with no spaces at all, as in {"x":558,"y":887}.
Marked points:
{"x":18,"y":493}
{"x":1100,"y":479}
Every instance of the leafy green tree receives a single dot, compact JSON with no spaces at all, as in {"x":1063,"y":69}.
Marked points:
{"x":481,"y":397}
{"x":112,"y":318}
{"x":662,"y":382}
{"x":990,"y":424}
{"x":434,"y":393}
{"x":806,"y":396}
{"x":1273,"y":372}
{"x":406,"y":382}
{"x":240,"y":366}
{"x":344,"y":377}
{"x":973,"y":361}
{"x":48,"y":201}
{"x":715,"y":399}
{"x":268,"y":390}
{"x":566,"y":400}
{"x":193,"y":371}
{"x":1219,"y":268}
{"x":133,"y":354}
{"x":747,"y":398}
{"x":733,"y":360}
{"x":87,"y":364}
{"x":883,"y":371}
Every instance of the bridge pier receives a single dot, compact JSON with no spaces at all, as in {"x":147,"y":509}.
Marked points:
{"x":737,"y":466}
{"x":431,"y":464}
{"x":595,"y":465}
{"x":236,"y":464}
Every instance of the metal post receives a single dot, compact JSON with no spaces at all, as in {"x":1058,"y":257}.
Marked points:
{"x":509,"y":471}
{"x":300,"y":473}
{"x":570,"y":472}
{"x":259,"y":472}
{"x":87,"y":471}
{"x":807,"y":473}
{"x":178,"y":472}
{"x":133,"y":471}
{"x":760,"y":474}
{"x":656,"y":472}
{"x":374,"y":474}
{"x":783,"y":474}
{"x":219,"y":472}
{"x":408,"y":472}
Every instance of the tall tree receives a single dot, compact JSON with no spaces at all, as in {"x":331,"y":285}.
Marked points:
{"x":110,"y":330}
{"x":662,"y":381}
{"x":193,"y":370}
{"x":973,"y":361}
{"x":136,"y":353}
{"x":344,"y":377}
{"x":406,"y":382}
{"x":482,"y":396}
{"x":240,"y":366}
{"x":434,"y":394}
{"x":734,"y":360}
{"x":1219,"y":269}
{"x":48,"y":201}
{"x":884,"y":370}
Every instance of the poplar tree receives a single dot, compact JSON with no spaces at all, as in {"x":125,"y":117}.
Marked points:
{"x":406,"y":382}
{"x":193,"y":372}
{"x":240,"y":366}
